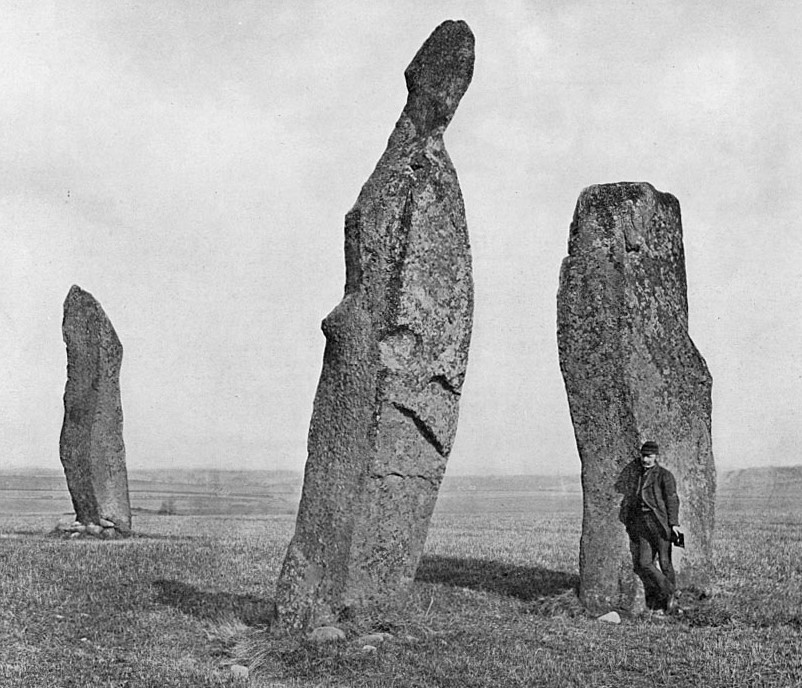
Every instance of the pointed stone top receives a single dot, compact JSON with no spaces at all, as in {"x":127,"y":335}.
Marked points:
{"x":76,"y":293}
{"x":438,"y":77}
{"x":81,"y":301}
{"x":80,"y":306}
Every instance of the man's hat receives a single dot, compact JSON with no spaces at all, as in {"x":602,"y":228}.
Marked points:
{"x":649,"y":448}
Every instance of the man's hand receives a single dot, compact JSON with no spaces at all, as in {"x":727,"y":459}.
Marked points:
{"x":676,"y":530}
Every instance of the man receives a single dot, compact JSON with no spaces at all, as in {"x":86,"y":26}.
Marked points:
{"x":656,"y":516}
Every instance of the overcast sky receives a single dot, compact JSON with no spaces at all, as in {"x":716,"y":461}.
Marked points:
{"x":190,"y":165}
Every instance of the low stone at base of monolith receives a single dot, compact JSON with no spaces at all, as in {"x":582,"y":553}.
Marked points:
{"x":632,"y":374}
{"x":386,"y":408}
{"x":91,"y":447}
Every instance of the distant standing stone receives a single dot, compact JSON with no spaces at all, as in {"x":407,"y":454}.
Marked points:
{"x":92,"y":449}
{"x":386,"y":409}
{"x":633,"y":374}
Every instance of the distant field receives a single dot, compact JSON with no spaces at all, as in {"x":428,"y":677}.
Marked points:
{"x":493,"y":603}
{"x":269,"y":493}
{"x":220,"y":493}
{"x":172,"y":492}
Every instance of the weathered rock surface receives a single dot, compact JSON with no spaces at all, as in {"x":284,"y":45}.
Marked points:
{"x":92,"y":449}
{"x":633,"y":374}
{"x":385,"y":414}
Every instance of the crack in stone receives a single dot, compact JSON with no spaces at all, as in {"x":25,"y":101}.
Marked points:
{"x":445,"y":383}
{"x":403,"y":476}
{"x":423,"y":428}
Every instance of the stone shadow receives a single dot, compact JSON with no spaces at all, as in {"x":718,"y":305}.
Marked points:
{"x":130,"y":537}
{"x":522,"y":582}
{"x":213,"y":606}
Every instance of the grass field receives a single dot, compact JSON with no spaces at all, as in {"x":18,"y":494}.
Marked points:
{"x":493,"y":605}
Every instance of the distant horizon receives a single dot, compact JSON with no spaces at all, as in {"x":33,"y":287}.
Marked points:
{"x":296,"y":471}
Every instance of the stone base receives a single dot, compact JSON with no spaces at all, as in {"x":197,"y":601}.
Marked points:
{"x":74,"y":530}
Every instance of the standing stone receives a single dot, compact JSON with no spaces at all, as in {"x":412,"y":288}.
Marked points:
{"x":92,"y":449}
{"x":386,"y":408}
{"x":633,"y":374}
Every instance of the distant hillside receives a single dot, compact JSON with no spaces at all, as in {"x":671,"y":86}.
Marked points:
{"x":761,"y":481}
{"x":169,"y":491}
{"x":779,"y":481}
{"x":512,"y":483}
{"x":205,"y":491}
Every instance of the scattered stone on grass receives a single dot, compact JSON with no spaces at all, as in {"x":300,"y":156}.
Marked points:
{"x":69,"y":528}
{"x":610,"y":617}
{"x":368,"y":648}
{"x":326,"y":634}
{"x":373,"y":638}
{"x":386,"y":409}
{"x":239,"y":671}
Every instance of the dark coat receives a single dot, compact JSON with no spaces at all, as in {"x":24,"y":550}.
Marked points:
{"x":659,"y":491}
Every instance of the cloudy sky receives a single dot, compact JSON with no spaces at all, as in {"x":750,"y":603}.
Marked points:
{"x":190,"y":164}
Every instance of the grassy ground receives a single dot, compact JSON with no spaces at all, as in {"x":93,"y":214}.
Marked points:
{"x":493,"y":606}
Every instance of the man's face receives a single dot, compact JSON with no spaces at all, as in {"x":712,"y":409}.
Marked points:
{"x":648,"y":460}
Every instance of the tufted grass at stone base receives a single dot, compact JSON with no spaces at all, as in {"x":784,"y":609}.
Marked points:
{"x":494,"y":605}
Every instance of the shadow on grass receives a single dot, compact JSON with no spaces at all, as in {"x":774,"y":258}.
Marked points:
{"x":249,"y":609}
{"x":135,"y":535}
{"x":525,"y":583}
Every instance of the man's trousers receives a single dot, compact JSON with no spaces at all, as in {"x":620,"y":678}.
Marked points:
{"x":653,"y":545}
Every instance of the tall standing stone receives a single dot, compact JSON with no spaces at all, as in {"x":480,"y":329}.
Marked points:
{"x":633,"y":374}
{"x":91,"y":447}
{"x":386,"y":408}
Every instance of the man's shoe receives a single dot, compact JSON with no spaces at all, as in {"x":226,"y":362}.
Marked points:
{"x":671,"y":604}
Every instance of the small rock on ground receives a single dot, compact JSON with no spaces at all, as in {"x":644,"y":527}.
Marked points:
{"x":369,"y":648}
{"x":374,"y":638}
{"x":610,"y":617}
{"x":325,"y":634}
{"x":239,"y":671}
